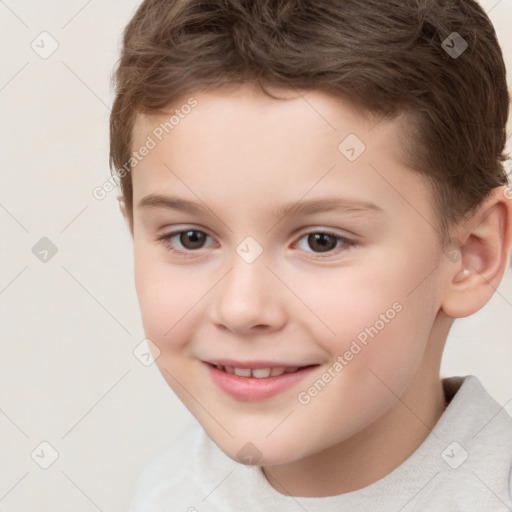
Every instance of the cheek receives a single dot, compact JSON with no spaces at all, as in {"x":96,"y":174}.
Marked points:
{"x":169,"y":300}
{"x":374,"y":317}
{"x":381,"y":338}
{"x":167,"y":295}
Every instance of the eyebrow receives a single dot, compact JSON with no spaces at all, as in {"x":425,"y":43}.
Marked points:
{"x":303,"y":208}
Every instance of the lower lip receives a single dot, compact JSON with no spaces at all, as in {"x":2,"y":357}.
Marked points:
{"x":253,"y":389}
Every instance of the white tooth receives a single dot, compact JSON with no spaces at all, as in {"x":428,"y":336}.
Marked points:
{"x":243,"y":372}
{"x":292,"y":369}
{"x":276,"y":371}
{"x":229,"y":369}
{"x":261,"y":373}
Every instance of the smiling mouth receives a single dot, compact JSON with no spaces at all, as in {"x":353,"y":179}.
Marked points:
{"x":260,"y":373}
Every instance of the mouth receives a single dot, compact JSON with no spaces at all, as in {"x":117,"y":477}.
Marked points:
{"x":257,"y":381}
{"x":259,"y":373}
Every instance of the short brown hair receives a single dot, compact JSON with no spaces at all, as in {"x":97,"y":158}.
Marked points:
{"x":386,"y":57}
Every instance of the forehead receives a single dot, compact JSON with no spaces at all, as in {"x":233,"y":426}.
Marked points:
{"x":253,"y":119}
{"x":238,"y":144}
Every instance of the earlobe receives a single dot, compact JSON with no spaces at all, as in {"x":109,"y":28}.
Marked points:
{"x":484,"y":249}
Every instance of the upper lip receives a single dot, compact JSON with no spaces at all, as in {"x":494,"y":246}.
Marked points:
{"x":253,"y":365}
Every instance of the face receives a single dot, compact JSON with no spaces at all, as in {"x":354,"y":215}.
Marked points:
{"x":284,"y":236}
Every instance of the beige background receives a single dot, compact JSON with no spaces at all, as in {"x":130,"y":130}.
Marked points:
{"x":68,"y":375}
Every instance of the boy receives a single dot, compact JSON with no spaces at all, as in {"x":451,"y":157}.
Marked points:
{"x":316,"y":190}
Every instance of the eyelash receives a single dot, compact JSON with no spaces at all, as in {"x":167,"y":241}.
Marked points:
{"x":166,"y":240}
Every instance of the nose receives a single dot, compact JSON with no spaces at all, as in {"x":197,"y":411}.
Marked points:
{"x":249,"y":299}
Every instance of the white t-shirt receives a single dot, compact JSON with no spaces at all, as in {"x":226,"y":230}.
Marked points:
{"x":463,"y":465}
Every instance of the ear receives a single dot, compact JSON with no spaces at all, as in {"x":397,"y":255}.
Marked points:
{"x":479,"y":256}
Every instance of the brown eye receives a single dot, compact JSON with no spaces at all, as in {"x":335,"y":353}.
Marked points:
{"x":192,"y":239}
{"x":322,"y":242}
{"x":187,"y":240}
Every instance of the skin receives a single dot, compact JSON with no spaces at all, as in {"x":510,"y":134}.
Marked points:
{"x":243,"y":155}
